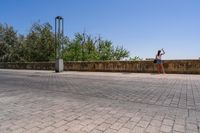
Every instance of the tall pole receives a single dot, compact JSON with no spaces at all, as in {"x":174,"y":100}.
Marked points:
{"x":56,"y":44}
{"x":62,"y":36}
{"x":59,"y":34}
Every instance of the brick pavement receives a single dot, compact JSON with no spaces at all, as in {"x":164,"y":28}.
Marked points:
{"x":85,"y":102}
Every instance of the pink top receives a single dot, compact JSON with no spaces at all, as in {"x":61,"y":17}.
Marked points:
{"x":159,"y":56}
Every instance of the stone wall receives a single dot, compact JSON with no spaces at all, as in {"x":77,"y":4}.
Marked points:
{"x":28,"y":66}
{"x":171,"y":66}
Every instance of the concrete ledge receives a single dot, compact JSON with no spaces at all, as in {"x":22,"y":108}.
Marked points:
{"x":171,"y":66}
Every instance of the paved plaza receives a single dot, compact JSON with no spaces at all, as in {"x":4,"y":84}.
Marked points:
{"x":94,"y":102}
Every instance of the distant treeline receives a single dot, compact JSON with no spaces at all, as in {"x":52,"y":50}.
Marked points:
{"x":39,"y":45}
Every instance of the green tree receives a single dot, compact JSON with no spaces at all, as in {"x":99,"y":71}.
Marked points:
{"x":90,"y":50}
{"x":136,"y":58}
{"x":72,"y":51}
{"x":85,"y":48}
{"x":105,"y":50}
{"x":120,"y":53}
{"x":81,"y":48}
{"x":40,"y":44}
{"x":9,"y":44}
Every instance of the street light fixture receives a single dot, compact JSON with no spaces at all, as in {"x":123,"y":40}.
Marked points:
{"x":59,"y":34}
{"x":1,"y":37}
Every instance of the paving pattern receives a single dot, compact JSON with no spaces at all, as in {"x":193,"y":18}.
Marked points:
{"x":86,"y":102}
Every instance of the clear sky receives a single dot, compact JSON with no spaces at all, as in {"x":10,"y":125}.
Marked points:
{"x":141,"y":26}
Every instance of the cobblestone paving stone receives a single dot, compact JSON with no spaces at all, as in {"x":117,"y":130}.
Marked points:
{"x":86,"y":102}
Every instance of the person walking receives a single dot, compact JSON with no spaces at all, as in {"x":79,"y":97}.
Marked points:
{"x":159,"y":61}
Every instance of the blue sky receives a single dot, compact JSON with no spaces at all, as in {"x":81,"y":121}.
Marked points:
{"x":141,"y":26}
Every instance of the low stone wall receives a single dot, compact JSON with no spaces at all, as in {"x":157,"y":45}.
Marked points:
{"x":28,"y":65}
{"x":171,"y":66}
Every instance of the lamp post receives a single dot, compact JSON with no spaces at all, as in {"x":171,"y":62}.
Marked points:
{"x":59,"y":34}
{"x":1,"y":37}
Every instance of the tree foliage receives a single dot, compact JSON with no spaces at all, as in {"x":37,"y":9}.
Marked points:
{"x":136,"y":58}
{"x":9,"y":43}
{"x":39,"y":45}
